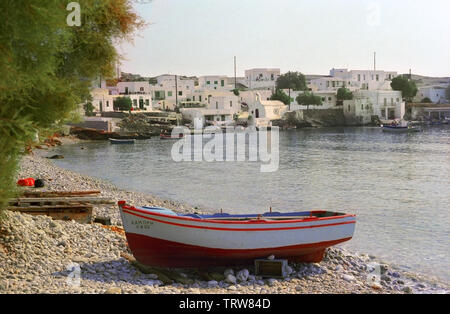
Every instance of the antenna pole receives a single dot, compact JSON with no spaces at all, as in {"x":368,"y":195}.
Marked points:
{"x":235,"y":85}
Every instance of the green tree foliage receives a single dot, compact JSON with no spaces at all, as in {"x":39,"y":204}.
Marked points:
{"x":88,"y":109}
{"x":281,"y":96}
{"x":293,"y":80}
{"x":46,"y":67}
{"x":309,"y":99}
{"x":123,"y":103}
{"x":344,"y":93}
{"x":407,"y":87}
{"x":426,"y":100}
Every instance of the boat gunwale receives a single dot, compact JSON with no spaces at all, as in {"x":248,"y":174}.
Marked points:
{"x":246,"y":222}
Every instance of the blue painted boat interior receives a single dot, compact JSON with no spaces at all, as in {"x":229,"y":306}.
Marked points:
{"x":165,"y":211}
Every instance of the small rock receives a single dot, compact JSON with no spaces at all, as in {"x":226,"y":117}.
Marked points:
{"x":212,"y":283}
{"x":386,"y":278}
{"x":242,"y":275}
{"x":407,"y":290}
{"x":228,"y":272}
{"x":230,"y":279}
{"x":114,"y":290}
{"x":348,"y":278}
{"x":271,"y":282}
{"x":233,"y":288}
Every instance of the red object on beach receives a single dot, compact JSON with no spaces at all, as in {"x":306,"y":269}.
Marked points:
{"x":26,"y":182}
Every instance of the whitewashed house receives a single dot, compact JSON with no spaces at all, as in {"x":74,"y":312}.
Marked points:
{"x":213,"y":107}
{"x":435,"y":93}
{"x":263,"y":112}
{"x":214,"y":82}
{"x":354,"y":80}
{"x":262,"y":78}
{"x":166,"y":92}
{"x":126,"y":88}
{"x":366,"y":104}
{"x":102,"y":100}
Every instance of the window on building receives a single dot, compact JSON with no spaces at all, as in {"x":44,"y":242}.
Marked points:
{"x":215,"y":82}
{"x":193,"y":98}
{"x":208,"y":82}
{"x":141,"y":89}
{"x":222,"y":83}
{"x":231,"y":103}
{"x":147,"y":102}
{"x":329,"y":98}
{"x":348,"y":107}
{"x":135,"y":102}
{"x":169,"y":94}
{"x":107,"y":103}
{"x":398,"y":99}
{"x":180,"y":93}
{"x":217,"y":105}
{"x":362,"y":107}
{"x":200,"y":98}
{"x":378,"y":77}
{"x":385,"y":101}
{"x":359,"y":77}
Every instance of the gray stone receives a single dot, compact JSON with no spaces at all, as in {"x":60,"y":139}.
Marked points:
{"x":242,"y":275}
{"x":230,"y":279}
{"x":348,"y":277}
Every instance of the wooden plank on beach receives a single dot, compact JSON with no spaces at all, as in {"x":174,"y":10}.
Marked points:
{"x":50,"y":207}
{"x":52,"y":200}
{"x":58,"y":193}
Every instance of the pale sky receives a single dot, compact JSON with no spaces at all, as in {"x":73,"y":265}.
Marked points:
{"x":201,"y":37}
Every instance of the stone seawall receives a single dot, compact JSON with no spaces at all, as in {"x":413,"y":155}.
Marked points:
{"x":313,"y":118}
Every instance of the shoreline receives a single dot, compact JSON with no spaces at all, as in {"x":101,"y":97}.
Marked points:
{"x":36,"y":253}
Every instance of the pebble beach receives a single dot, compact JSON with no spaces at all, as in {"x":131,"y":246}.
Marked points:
{"x":41,"y":255}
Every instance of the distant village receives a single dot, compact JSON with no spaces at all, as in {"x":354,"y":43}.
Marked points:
{"x":222,"y":100}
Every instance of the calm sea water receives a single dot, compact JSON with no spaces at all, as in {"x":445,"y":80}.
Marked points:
{"x":398,"y":185}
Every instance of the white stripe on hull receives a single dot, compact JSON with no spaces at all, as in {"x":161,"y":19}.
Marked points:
{"x":167,"y":228}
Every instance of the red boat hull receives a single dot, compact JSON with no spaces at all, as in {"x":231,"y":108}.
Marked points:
{"x":157,"y":252}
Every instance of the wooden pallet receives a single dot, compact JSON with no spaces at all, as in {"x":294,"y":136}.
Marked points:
{"x":60,"y":205}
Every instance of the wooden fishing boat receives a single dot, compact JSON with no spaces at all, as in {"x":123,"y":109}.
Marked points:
{"x":162,"y":238}
{"x":121,"y":141}
{"x":170,"y":136}
{"x":400,"y":129}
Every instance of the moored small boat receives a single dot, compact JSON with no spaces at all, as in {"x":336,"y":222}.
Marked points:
{"x":400,"y":129}
{"x":160,"y":237}
{"x":170,"y":136}
{"x":121,"y":141}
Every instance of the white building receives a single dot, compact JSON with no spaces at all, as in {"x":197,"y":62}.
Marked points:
{"x":386,"y":105}
{"x":355,"y":79}
{"x":102,"y":100}
{"x":332,"y":84}
{"x":263,"y":112}
{"x":435,"y":93}
{"x":212,"y":105}
{"x":166,"y":92}
{"x":126,"y":88}
{"x":214,"y":82}
{"x":249,"y":96}
{"x":261,"y":78}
